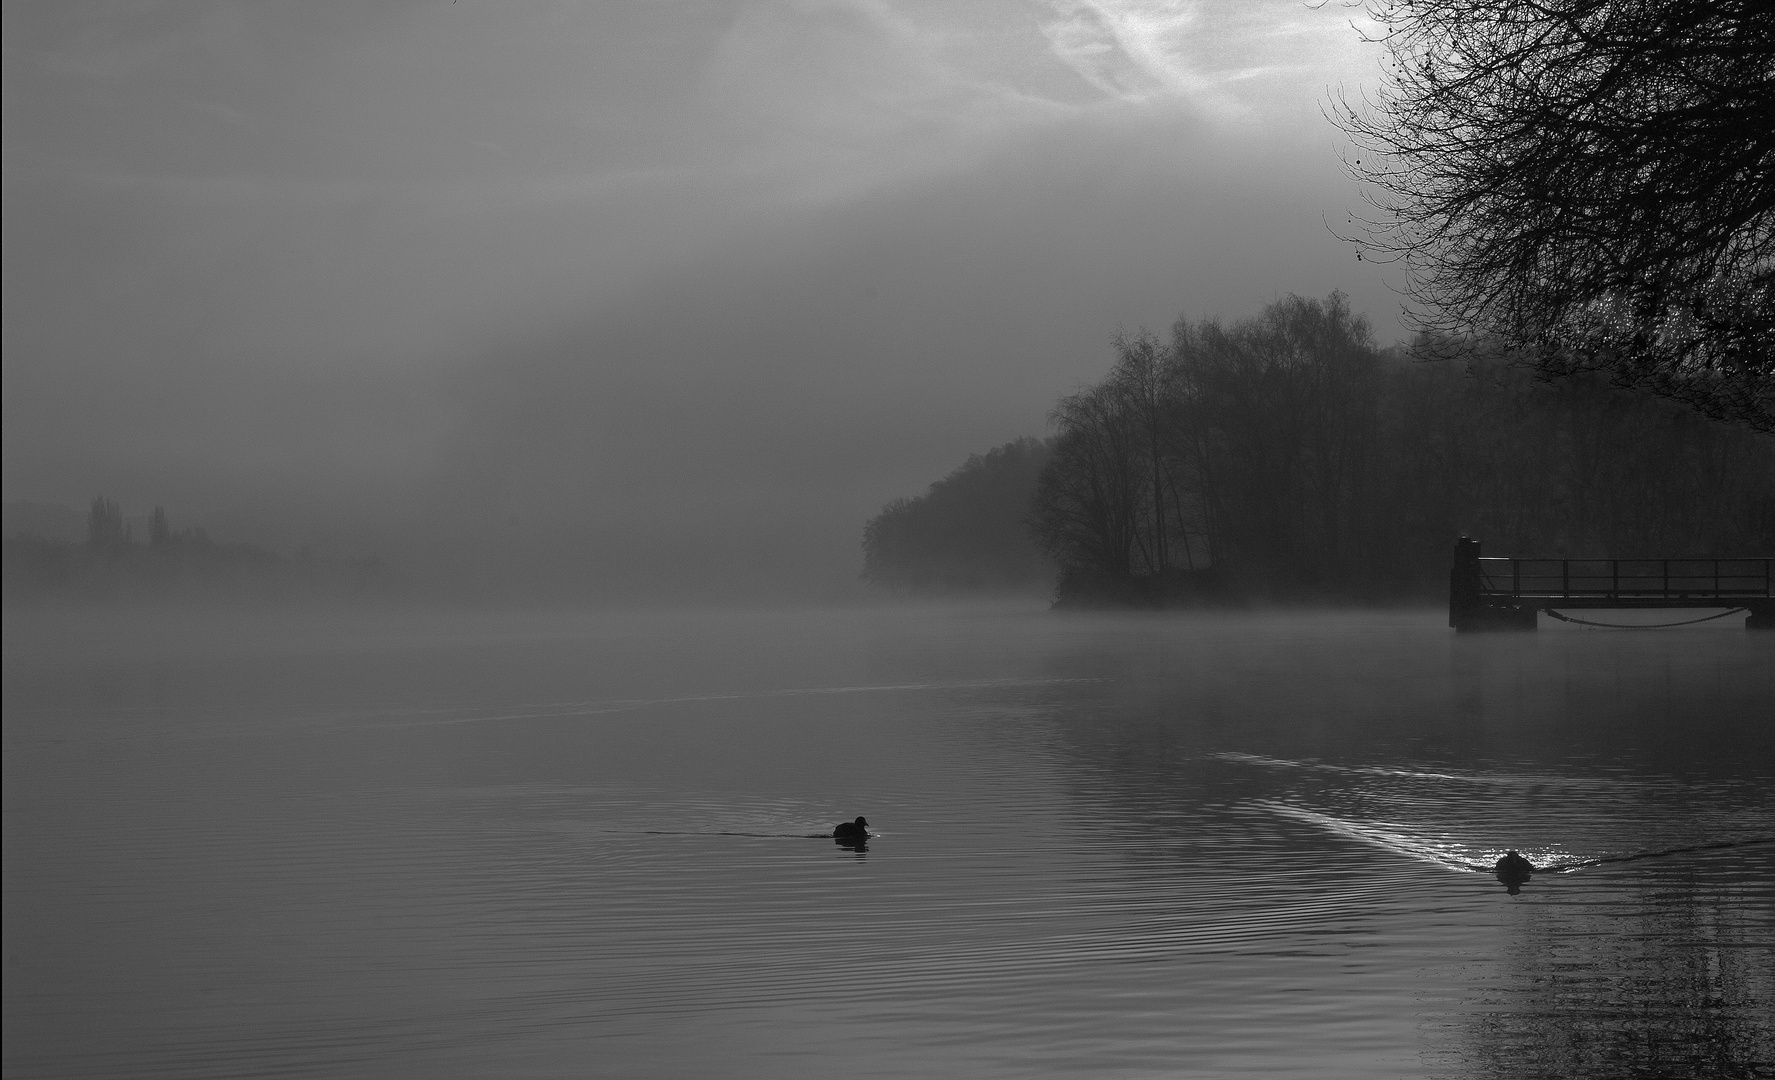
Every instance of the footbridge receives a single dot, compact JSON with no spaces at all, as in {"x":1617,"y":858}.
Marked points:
{"x":1509,"y":594}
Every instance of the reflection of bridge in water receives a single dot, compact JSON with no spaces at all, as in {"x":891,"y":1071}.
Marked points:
{"x":1508,"y":594}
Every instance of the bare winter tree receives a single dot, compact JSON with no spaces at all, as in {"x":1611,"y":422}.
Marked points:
{"x":1589,"y":183}
{"x":1091,"y":496}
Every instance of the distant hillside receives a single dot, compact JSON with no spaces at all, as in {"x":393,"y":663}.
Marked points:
{"x":969,"y":531}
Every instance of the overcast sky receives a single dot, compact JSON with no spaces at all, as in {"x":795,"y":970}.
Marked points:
{"x":641,"y":294}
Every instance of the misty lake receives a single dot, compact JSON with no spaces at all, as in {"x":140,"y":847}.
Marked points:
{"x":574,"y":845}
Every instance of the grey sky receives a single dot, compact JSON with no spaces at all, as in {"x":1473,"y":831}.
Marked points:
{"x":646,"y":293}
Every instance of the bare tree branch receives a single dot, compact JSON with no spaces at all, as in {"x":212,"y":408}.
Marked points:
{"x":1588,"y":183}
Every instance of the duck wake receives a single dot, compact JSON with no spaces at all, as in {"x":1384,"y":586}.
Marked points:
{"x":1497,"y":780}
{"x":1397,"y":838}
{"x":1414,"y":844}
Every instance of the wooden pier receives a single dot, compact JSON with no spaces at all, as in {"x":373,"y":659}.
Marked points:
{"x":1509,"y":594}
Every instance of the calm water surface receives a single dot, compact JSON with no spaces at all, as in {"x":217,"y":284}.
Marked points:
{"x":578,"y":845}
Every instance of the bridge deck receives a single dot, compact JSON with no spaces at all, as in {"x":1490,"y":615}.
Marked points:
{"x":1627,"y":583}
{"x":1493,"y":593}
{"x":1606,"y":602}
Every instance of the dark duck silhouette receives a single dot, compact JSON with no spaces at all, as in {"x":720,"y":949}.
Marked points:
{"x":852,"y":830}
{"x":1513,"y":870}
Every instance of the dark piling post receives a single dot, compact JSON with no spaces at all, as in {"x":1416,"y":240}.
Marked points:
{"x":1470,"y":607}
{"x":1463,"y":586}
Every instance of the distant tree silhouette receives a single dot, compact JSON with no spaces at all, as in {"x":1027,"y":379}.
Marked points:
{"x":1253,"y":440}
{"x":1588,"y":183}
{"x":1119,"y":499}
{"x":1296,"y":459}
{"x":105,"y":530}
{"x":1142,"y":384}
{"x":968,"y":531}
{"x":1572,"y":469}
{"x":184,"y":565}
{"x":1283,"y":408}
{"x":1090,"y":495}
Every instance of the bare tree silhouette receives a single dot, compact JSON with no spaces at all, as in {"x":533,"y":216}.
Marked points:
{"x":1589,"y":183}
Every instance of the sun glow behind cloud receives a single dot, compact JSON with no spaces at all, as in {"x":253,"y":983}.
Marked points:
{"x":1226,"y":60}
{"x":734,"y":108}
{"x":1130,"y":51}
{"x":850,"y":93}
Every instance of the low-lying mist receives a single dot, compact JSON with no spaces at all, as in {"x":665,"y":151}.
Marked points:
{"x":721,"y":427}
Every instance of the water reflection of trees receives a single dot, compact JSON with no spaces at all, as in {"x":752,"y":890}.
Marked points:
{"x":1674,"y":975}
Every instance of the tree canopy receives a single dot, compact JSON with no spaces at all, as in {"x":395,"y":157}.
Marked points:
{"x":1588,"y":183}
{"x":1287,"y":456}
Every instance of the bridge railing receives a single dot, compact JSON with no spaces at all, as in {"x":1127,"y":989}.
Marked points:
{"x":1667,"y":579}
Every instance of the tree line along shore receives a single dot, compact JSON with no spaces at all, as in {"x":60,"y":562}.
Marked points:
{"x":112,"y":565}
{"x":1287,"y":457}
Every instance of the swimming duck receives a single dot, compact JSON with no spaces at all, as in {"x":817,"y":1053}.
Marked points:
{"x":851,"y":830}
{"x":1514,"y":866}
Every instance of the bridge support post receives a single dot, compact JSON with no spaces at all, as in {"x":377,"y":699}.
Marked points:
{"x":1464,"y":584}
{"x":1471,"y":607}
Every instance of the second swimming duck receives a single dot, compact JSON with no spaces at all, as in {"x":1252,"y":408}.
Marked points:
{"x":1514,"y":865}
